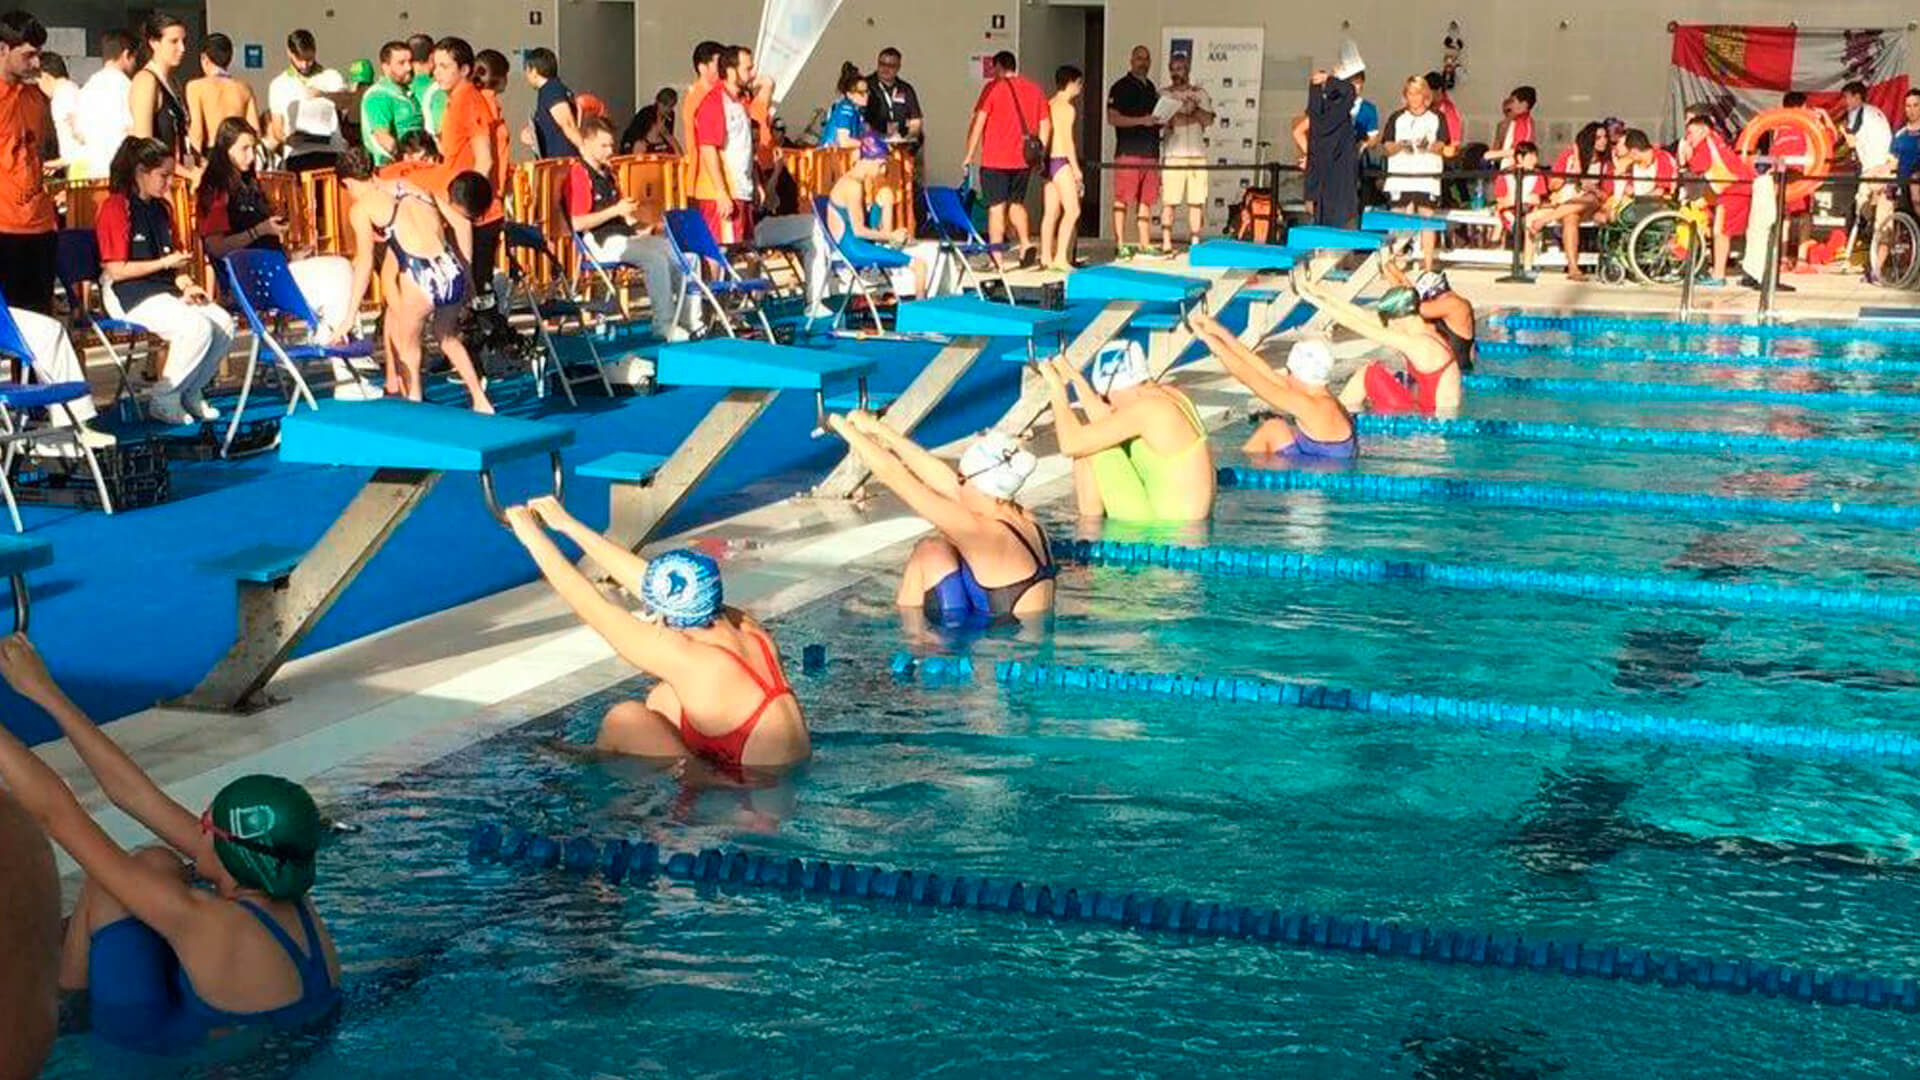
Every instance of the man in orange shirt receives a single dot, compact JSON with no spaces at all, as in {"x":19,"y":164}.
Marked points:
{"x":27,"y":223}
{"x":473,"y":138}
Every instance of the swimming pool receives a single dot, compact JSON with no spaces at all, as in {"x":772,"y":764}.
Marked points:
{"x":458,"y":969}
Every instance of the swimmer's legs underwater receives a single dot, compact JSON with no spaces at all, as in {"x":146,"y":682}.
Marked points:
{"x":934,"y":559}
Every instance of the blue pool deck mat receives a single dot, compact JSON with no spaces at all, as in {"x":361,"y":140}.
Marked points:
{"x":1110,"y":284}
{"x":972,"y":316}
{"x":19,"y":554}
{"x":413,"y":435}
{"x":1242,"y":255}
{"x":1395,"y":221}
{"x":738,"y":364}
{"x":1321,"y":238}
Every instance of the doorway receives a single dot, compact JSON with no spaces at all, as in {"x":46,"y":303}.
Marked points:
{"x":1073,"y":33}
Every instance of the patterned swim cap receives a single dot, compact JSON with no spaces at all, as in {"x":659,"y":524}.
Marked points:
{"x":1119,"y":365}
{"x":683,"y":588}
{"x":265,"y":831}
{"x":1398,"y":303}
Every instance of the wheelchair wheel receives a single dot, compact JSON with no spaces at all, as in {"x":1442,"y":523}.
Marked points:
{"x":1896,"y":251}
{"x":1612,"y":270}
{"x":1656,"y":249}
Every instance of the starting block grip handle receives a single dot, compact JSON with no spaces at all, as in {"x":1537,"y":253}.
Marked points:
{"x":22,"y":603}
{"x":486,"y":492}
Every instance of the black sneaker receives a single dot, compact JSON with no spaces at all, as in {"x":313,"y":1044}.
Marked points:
{"x":1029,"y":259}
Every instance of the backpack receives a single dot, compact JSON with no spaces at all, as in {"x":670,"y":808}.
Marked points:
{"x":1256,"y":218}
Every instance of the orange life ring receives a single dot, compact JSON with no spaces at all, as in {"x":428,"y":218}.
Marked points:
{"x":1819,"y":145}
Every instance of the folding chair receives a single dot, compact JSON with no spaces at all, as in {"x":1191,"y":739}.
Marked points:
{"x":263,"y":290}
{"x":960,"y":240}
{"x":17,"y":433}
{"x":554,"y":310}
{"x":693,"y":243}
{"x":77,"y":265}
{"x":857,"y":269}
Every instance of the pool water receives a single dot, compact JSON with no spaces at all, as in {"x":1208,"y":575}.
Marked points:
{"x":456,"y":969}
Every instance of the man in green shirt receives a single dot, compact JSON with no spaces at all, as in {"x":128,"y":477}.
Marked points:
{"x":427,"y":94}
{"x":387,"y":109}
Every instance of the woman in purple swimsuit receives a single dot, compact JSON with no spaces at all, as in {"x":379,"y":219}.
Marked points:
{"x":1320,"y":428}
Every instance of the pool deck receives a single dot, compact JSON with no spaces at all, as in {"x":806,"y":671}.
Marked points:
{"x":366,"y":710}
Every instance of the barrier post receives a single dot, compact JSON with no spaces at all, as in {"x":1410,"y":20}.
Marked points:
{"x":1690,"y":261}
{"x":1770,"y":281}
{"x":1519,"y":274}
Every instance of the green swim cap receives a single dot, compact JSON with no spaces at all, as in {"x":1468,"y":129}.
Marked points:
{"x":360,"y":72}
{"x":265,"y":830}
{"x":1398,"y":303}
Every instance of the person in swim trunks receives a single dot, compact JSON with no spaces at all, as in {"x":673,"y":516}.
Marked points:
{"x":1430,"y":384}
{"x":430,"y":285}
{"x":984,"y":534}
{"x":722,"y":697}
{"x":169,"y":964}
{"x":1447,"y":311}
{"x":1141,"y":452}
{"x":1320,"y":427}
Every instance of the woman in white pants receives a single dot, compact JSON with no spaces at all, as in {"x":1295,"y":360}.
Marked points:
{"x":609,"y":222}
{"x":54,"y":360}
{"x":146,"y":282}
{"x":233,"y":214}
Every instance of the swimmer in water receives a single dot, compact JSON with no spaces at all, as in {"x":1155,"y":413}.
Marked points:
{"x":1445,"y":310}
{"x":722,"y":695}
{"x":984,"y":534}
{"x":168,"y":964}
{"x":1430,"y":384}
{"x":1320,"y":426}
{"x":1140,"y":454}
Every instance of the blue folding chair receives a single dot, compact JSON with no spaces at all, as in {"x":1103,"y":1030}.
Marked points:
{"x":77,"y":266}
{"x":693,"y":245}
{"x":551,"y":315}
{"x":263,"y":291}
{"x":18,"y":432}
{"x":858,"y":268}
{"x":960,"y":240}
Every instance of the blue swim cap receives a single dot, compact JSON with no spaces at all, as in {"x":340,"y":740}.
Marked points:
{"x":683,"y":588}
{"x":873,"y":148}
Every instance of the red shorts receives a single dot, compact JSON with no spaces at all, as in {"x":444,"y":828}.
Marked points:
{"x":1734,"y":209}
{"x":737,"y":229}
{"x":1136,"y":181}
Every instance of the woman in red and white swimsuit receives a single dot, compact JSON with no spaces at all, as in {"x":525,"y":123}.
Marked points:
{"x":722,"y":696}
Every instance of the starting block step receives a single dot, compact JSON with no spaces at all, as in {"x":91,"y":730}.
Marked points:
{"x":623,"y":467}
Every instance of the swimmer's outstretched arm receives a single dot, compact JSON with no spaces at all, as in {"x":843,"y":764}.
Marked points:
{"x":1355,"y":318}
{"x":941,"y":510}
{"x":932,"y":471}
{"x":626,"y":568}
{"x":1091,"y":403}
{"x":125,"y":783}
{"x":156,"y":897}
{"x":1084,"y":438}
{"x":653,"y":649}
{"x":1248,"y":366}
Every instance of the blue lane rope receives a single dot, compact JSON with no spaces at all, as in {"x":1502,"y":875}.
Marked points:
{"x":1649,"y":438}
{"x":1643,"y":391}
{"x":640,"y":864}
{"x":1510,"y":493}
{"x":1571,"y":721}
{"x":1599,"y":323}
{"x":1248,"y":562}
{"x":1514,"y":350}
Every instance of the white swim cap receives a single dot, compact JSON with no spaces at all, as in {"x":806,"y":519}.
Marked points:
{"x":1119,"y":365}
{"x":997,"y":465}
{"x":1311,"y":361}
{"x":1350,"y":63}
{"x":1431,"y":284}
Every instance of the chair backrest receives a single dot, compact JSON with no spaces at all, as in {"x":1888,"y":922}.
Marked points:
{"x":263,"y":285}
{"x":949,"y":213}
{"x":13,"y":343}
{"x":690,"y":236}
{"x":524,"y":236}
{"x":76,"y":261}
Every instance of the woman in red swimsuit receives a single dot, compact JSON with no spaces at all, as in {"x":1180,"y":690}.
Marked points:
{"x":1430,"y":383}
{"x":722,"y":696}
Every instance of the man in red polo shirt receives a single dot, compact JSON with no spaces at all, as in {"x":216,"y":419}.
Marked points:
{"x":723,"y":148}
{"x":27,"y":222}
{"x":1011,"y":109}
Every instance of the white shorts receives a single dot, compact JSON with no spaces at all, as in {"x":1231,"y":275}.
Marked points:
{"x":1181,"y":184}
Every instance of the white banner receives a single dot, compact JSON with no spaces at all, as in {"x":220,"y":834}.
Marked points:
{"x":1226,"y":64}
{"x":789,"y":29}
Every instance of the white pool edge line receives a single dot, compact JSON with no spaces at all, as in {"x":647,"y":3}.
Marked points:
{"x":354,"y":718}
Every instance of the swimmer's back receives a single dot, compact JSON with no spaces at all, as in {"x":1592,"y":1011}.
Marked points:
{"x":736,"y":677}
{"x":237,"y":965}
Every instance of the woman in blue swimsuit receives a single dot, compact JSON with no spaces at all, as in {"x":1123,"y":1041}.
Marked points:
{"x":166,"y":963}
{"x":1320,"y":427}
{"x":985,"y":536}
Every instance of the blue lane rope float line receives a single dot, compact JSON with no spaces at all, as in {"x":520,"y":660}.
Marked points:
{"x":1603,"y":323}
{"x":1733,"y":395}
{"x":1514,"y":350}
{"x":1648,"y":438}
{"x":640,"y":864}
{"x":1252,"y":562}
{"x":1473,"y":714}
{"x":1514,"y":493}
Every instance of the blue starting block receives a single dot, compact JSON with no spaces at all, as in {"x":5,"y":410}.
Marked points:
{"x":1241,"y":255}
{"x":1108,"y":284}
{"x":1321,"y":238}
{"x":1386,"y":221}
{"x":284,"y":592}
{"x":967,"y":323}
{"x":18,"y":555}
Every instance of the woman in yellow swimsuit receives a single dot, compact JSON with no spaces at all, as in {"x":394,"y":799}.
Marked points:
{"x":1140,"y":453}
